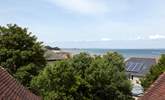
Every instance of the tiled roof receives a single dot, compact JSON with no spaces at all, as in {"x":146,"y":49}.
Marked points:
{"x":156,"y":90}
{"x":139,"y":66}
{"x":51,"y":55}
{"x":10,"y":89}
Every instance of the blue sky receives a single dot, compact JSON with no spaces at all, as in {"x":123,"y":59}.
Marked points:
{"x":90,"y":23}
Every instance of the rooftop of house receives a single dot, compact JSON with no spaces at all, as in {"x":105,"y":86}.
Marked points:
{"x":139,"y":66}
{"x":52,"y":55}
{"x":10,"y":89}
{"x":156,"y":90}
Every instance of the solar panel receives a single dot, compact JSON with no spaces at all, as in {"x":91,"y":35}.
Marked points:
{"x":128,"y":64}
{"x":134,"y":67}
{"x":139,"y":67}
{"x":129,"y":67}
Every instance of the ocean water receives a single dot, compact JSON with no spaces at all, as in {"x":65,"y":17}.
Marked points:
{"x":125,"y":52}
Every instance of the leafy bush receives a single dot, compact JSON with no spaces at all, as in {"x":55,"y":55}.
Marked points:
{"x":84,"y":78}
{"x":18,"y":49}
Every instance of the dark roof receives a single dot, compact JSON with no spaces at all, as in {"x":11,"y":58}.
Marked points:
{"x":10,"y":89}
{"x":156,"y":90}
{"x":51,"y":55}
{"x":139,"y":66}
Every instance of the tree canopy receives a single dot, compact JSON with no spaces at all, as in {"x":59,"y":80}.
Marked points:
{"x":83,"y":77}
{"x":20,"y":52}
{"x":52,"y":48}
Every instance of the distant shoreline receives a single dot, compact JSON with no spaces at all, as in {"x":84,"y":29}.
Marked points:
{"x":119,"y":48}
{"x":154,"y":53}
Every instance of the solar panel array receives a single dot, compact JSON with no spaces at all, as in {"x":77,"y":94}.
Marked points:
{"x":134,"y":67}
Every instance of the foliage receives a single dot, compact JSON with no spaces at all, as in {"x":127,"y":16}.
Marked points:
{"x":154,"y":73}
{"x":18,"y":49}
{"x":84,"y":78}
{"x":25,"y":73}
{"x":52,"y":48}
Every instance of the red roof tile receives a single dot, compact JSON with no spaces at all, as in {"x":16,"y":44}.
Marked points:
{"x":10,"y":89}
{"x":156,"y":90}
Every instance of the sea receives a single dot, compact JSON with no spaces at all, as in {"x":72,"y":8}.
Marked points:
{"x":148,"y":53}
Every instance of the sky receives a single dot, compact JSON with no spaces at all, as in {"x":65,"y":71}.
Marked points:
{"x":90,"y":23}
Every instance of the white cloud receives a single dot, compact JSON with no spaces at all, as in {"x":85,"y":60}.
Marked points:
{"x":82,"y":6}
{"x":139,"y":38}
{"x":157,"y":36}
{"x":105,"y":39}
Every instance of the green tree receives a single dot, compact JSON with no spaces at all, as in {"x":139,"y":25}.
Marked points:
{"x":108,"y":79}
{"x":84,"y":78}
{"x":18,"y":49}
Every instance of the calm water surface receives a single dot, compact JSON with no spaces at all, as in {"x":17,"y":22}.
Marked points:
{"x":125,"y":52}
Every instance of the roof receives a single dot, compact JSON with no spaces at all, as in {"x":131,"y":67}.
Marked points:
{"x":10,"y":89}
{"x":156,"y":90}
{"x":139,"y":66}
{"x":52,"y":55}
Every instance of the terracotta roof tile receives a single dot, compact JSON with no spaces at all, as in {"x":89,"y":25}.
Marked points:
{"x":156,"y":90}
{"x":10,"y":89}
